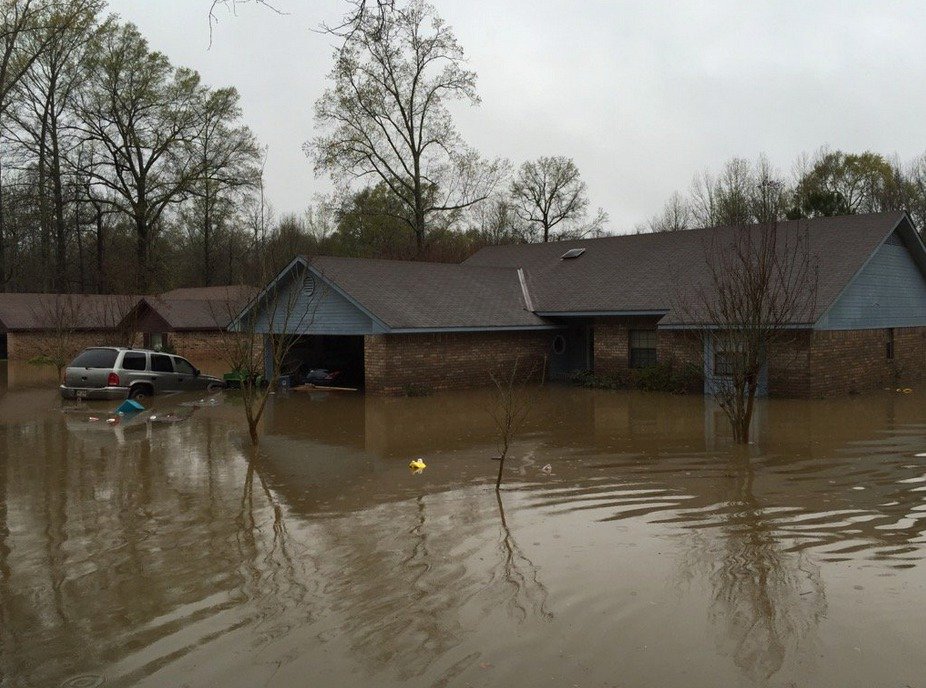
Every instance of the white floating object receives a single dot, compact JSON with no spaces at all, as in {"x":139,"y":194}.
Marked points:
{"x":547,"y":469}
{"x":858,"y":487}
{"x":152,"y":417}
{"x":920,"y":456}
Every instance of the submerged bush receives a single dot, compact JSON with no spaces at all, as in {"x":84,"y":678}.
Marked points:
{"x":662,"y":377}
{"x":414,"y":389}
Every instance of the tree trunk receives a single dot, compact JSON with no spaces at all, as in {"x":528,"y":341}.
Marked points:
{"x":207,"y":238}
{"x":101,"y":285}
{"x":60,"y":278}
{"x":142,"y":278}
{"x":3,"y":275}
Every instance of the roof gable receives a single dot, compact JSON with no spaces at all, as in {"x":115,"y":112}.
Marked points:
{"x":889,"y":290}
{"x":403,"y":296}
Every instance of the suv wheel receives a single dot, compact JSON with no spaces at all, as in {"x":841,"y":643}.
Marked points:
{"x":139,"y":392}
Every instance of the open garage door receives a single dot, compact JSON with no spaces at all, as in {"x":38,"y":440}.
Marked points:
{"x":340,"y":355}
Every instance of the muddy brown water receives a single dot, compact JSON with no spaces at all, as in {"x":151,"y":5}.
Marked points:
{"x":650,"y":553}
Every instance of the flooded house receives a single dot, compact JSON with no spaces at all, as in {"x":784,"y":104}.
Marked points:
{"x":33,"y":324}
{"x":191,"y":322}
{"x":604,"y":305}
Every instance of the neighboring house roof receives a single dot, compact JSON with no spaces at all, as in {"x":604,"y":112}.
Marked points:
{"x":189,"y":314}
{"x":652,"y":272}
{"x":405,"y":295}
{"x":233,"y":292}
{"x":38,"y":312}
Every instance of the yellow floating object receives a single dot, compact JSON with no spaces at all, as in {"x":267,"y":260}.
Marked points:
{"x":417,"y":465}
{"x":905,"y":390}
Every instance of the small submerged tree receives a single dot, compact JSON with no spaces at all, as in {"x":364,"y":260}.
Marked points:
{"x":761,"y":282}
{"x":510,"y":409}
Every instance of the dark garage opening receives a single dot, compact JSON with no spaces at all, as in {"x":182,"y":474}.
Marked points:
{"x":3,"y":353}
{"x":336,"y":353}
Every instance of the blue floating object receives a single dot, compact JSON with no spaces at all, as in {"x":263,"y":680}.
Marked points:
{"x":130,"y":406}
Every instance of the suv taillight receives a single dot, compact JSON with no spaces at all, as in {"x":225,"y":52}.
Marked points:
{"x":112,"y":380}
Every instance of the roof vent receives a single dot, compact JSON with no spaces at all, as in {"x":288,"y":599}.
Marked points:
{"x":573,"y":253}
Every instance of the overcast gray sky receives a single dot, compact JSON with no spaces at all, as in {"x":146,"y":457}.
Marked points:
{"x":642,"y":95}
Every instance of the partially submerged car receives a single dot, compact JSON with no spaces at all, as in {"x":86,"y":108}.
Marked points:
{"x":110,"y":372}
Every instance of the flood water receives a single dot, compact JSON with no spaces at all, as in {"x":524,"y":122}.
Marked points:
{"x":631,"y":546}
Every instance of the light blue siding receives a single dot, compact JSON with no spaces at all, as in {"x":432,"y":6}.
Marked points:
{"x":890,"y":291}
{"x":324,"y":311}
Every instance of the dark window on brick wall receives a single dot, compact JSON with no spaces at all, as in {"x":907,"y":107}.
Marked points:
{"x":889,"y":344}
{"x":642,"y":348}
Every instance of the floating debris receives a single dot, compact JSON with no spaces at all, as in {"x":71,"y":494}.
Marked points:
{"x":417,"y":465}
{"x":547,"y":469}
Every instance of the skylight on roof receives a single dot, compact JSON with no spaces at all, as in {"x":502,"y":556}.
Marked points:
{"x":573,"y":253}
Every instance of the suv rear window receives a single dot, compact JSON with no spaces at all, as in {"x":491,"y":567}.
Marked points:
{"x":95,"y":358}
{"x":134,"y":361}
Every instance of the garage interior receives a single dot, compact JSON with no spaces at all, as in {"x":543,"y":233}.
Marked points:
{"x":342,"y":353}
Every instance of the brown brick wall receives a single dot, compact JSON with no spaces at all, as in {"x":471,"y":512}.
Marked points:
{"x":198,"y":346}
{"x":612,"y":342}
{"x":813,"y":364}
{"x":848,"y":361}
{"x":448,"y":361}
{"x":23,"y":346}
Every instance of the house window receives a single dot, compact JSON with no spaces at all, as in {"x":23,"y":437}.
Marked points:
{"x":559,"y":345}
{"x":642,"y":348}
{"x":726,"y":360}
{"x":156,"y":341}
{"x":889,"y":344}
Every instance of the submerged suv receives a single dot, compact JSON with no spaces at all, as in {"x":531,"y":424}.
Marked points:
{"x":110,"y":372}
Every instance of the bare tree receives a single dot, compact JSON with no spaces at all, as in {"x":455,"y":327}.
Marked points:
{"x":231,"y":6}
{"x":675,"y":217}
{"x":511,"y":408}
{"x":386,"y":116}
{"x":549,"y":192}
{"x":761,"y":282}
{"x":743,"y":192}
{"x":359,"y":14}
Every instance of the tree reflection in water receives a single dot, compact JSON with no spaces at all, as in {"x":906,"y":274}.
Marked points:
{"x":275,"y":579}
{"x":526,"y":595}
{"x":766,"y":601}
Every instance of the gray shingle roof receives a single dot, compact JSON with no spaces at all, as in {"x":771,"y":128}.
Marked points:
{"x":194,"y":314}
{"x":233,"y":292}
{"x":413,"y":295}
{"x":31,"y":312}
{"x":649,"y":272}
